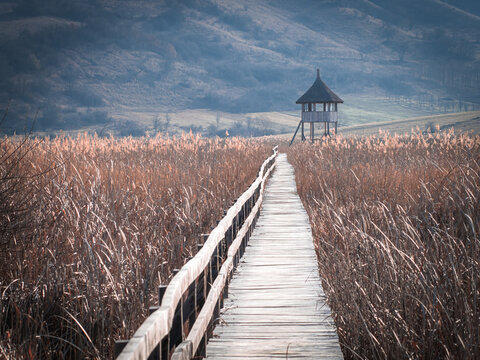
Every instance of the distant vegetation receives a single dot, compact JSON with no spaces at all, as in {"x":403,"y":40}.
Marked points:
{"x":89,"y":228}
{"x":396,"y":221}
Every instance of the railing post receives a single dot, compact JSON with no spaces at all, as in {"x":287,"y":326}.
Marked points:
{"x":225,"y":288}
{"x":201,"y":278}
{"x":156,"y":353}
{"x":224,"y":247}
{"x":202,"y":348}
{"x":210,"y":274}
{"x":182,"y":320}
{"x":229,"y":236}
{"x":176,"y":331}
{"x":175,"y":335}
{"x":165,"y":348}
{"x":119,"y":346}
{"x":196,"y":298}
{"x":216,"y":312}
{"x":189,"y":306}
{"x":205,"y":283}
{"x":218,"y":260}
{"x":161,"y":292}
{"x":244,"y":243}
{"x":235,"y":221}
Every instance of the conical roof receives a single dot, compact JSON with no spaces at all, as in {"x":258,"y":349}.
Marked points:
{"x":319,"y":93}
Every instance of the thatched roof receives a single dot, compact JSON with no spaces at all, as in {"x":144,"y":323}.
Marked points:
{"x":319,"y":93}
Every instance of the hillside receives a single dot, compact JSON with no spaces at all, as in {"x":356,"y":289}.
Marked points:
{"x":90,"y":63}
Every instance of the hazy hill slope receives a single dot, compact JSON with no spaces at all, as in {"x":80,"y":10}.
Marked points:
{"x":77,"y":62}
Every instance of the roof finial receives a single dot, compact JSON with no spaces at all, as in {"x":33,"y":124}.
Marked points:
{"x":318,"y":73}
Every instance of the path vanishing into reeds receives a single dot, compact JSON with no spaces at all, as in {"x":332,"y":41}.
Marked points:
{"x":276,"y":306}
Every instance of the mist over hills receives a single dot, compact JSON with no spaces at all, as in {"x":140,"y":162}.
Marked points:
{"x":78,"y":62}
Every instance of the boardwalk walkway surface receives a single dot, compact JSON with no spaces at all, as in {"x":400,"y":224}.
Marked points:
{"x":275,"y":307}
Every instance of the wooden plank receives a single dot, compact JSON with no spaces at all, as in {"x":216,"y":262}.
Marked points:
{"x":276,"y":306}
{"x":293,"y":138}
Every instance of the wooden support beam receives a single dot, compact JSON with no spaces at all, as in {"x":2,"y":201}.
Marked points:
{"x":161,"y":292}
{"x":119,"y":346}
{"x":156,"y":353}
{"x":164,"y":348}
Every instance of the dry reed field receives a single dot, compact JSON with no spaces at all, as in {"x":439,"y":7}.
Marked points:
{"x":89,"y":227}
{"x":396,"y":222}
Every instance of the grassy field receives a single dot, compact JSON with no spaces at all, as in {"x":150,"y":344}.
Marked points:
{"x":460,"y":122}
{"x":89,"y":228}
{"x":396,"y":223}
{"x":354,"y":120}
{"x":358,"y":112}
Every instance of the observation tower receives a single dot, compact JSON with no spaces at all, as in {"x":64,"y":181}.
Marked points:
{"x":319,"y":105}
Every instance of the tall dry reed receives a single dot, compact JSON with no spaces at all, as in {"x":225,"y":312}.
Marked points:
{"x":396,"y":220}
{"x":89,"y":227}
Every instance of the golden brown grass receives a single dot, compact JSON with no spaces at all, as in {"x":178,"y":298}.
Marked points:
{"x":89,"y":228}
{"x":396,"y":220}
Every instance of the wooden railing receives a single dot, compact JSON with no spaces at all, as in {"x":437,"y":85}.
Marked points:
{"x":190,"y":304}
{"x":320,"y":116}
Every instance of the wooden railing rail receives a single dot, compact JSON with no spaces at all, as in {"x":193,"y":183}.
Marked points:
{"x":193,"y":299}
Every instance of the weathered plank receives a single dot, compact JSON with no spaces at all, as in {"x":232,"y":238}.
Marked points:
{"x":276,"y":306}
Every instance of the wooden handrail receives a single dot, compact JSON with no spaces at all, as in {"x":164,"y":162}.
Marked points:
{"x":194,"y":293}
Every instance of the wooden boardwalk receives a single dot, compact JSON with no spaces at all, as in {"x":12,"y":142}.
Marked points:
{"x":275,"y":307}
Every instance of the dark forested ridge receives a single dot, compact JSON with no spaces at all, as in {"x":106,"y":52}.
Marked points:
{"x":72,"y":62}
